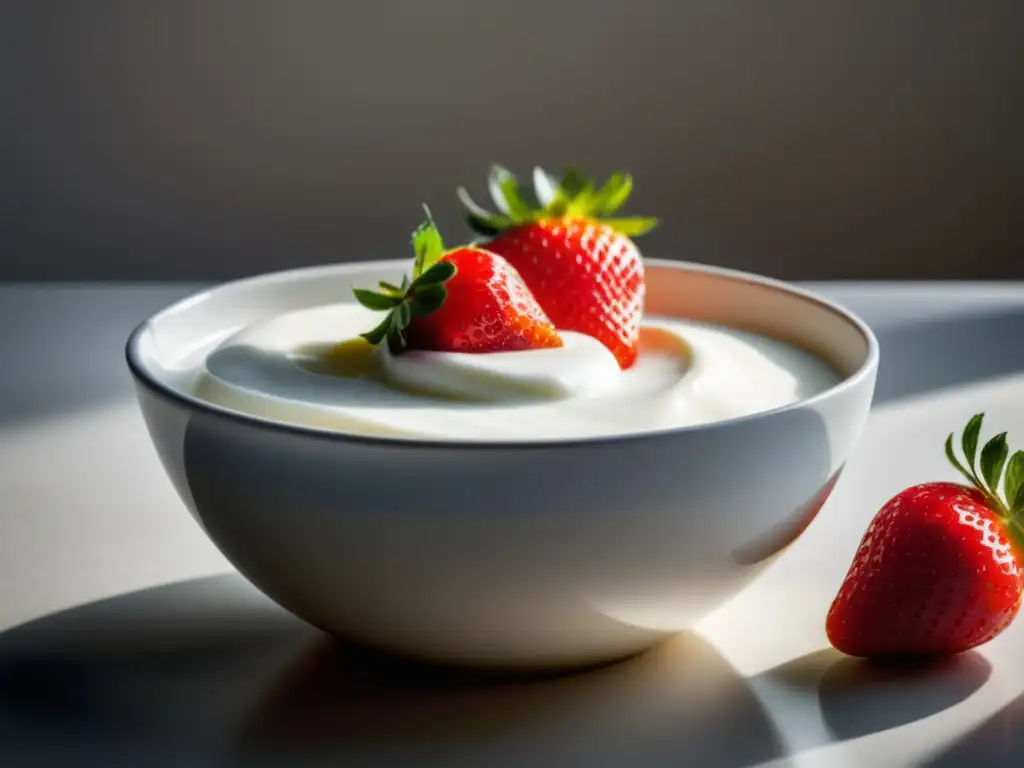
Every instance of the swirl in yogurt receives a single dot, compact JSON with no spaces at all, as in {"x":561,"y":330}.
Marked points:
{"x":291,"y":368}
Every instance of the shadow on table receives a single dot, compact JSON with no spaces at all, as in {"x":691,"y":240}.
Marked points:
{"x":209,"y":670}
{"x":996,"y":743}
{"x":162,"y":666}
{"x":920,"y":357}
{"x":859,"y":697}
{"x":679,"y":704}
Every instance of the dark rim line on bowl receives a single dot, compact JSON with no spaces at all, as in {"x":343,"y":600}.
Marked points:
{"x":159,"y":388}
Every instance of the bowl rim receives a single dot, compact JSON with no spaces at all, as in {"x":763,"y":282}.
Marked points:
{"x":189,"y":402}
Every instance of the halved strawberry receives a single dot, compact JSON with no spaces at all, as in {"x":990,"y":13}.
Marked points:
{"x":462,"y":300}
{"x":939,"y":569}
{"x":576,"y":258}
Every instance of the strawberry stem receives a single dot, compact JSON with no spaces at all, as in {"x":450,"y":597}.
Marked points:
{"x":573,"y":196}
{"x":985,"y":470}
{"x":419,"y":297}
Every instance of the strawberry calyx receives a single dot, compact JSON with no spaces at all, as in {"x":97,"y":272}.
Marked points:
{"x":417,"y":297}
{"x":572,"y":196}
{"x":986,"y":468}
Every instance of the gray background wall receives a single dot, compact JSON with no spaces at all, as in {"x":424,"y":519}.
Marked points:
{"x":852,"y":138}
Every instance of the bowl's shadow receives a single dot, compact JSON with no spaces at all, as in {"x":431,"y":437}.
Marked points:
{"x":209,"y":670}
{"x":166,"y":666}
{"x":679,"y":704}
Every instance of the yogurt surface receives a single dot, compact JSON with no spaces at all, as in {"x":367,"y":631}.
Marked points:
{"x":292,"y":368}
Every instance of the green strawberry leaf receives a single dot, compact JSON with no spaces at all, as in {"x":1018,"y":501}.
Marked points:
{"x":1013,"y":480}
{"x":372,"y":300}
{"x":424,"y":294}
{"x":403,"y":315}
{"x":376,"y":336}
{"x":574,"y":184}
{"x":396,"y":337}
{"x":428,"y":299}
{"x":993,"y":456}
{"x":440,"y":272}
{"x":951,"y":455}
{"x":632,"y":227}
{"x":504,"y":189}
{"x":557,"y":207}
{"x":486,"y":228}
{"x":427,"y":244}
{"x":612,"y":195}
{"x":970,"y":438}
{"x":480,"y":219}
{"x":573,"y":195}
{"x":398,"y":321}
{"x":1018,"y":502}
{"x":545,"y":187}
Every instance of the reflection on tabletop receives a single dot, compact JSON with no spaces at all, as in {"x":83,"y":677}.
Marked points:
{"x":210,"y":669}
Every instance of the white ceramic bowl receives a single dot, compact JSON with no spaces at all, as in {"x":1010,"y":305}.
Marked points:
{"x":514,"y":555}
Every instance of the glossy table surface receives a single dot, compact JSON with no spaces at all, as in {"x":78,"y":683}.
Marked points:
{"x":125,"y":638}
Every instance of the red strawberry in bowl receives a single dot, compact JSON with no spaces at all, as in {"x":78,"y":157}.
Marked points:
{"x":465,"y":299}
{"x":576,"y":256}
{"x":939,"y":570}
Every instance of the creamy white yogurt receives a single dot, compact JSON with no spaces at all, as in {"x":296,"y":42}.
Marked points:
{"x":687,"y":373}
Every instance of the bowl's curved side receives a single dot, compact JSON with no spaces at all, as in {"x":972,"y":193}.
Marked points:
{"x":537,"y":556}
{"x":515,"y":554}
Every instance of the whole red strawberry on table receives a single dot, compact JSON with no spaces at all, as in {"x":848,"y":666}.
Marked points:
{"x":939,"y":570}
{"x":573,"y":253}
{"x":465,"y":299}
